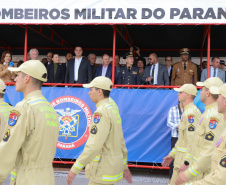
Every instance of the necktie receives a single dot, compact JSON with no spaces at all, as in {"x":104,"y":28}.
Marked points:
{"x":214,"y":72}
{"x":185,"y":66}
{"x":129,"y":69}
{"x":153,"y":74}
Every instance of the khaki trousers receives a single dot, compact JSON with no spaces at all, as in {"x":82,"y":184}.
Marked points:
{"x":94,"y":183}
{"x":174,"y":177}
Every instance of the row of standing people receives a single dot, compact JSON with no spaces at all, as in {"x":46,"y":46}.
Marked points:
{"x":82,"y":70}
{"x":136,"y":72}
{"x":199,"y":153}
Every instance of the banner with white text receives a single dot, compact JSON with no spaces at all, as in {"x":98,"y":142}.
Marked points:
{"x":113,"y":12}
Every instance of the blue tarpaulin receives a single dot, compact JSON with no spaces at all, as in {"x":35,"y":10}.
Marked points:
{"x":143,"y":112}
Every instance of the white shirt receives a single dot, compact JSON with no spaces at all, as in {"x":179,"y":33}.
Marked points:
{"x":169,"y":71}
{"x":77,"y":64}
{"x":212,"y":72}
{"x":155,"y":73}
{"x":104,"y":70}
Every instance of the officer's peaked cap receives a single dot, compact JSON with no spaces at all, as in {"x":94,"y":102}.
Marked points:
{"x":128,"y":54}
{"x":184,"y":51}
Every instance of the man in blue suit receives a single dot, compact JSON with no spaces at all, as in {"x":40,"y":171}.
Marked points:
{"x":105,"y":69}
{"x":215,"y":71}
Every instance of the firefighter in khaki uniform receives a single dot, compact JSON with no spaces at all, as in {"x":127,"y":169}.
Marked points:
{"x":184,"y":72}
{"x":105,"y":153}
{"x":4,"y":110}
{"x":187,"y":127}
{"x":207,"y":133}
{"x":29,"y":143}
{"x":218,"y":164}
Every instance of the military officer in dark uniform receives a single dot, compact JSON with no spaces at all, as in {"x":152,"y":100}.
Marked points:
{"x":128,"y":74}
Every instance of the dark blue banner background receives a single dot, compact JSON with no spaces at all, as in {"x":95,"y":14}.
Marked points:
{"x":143,"y":112}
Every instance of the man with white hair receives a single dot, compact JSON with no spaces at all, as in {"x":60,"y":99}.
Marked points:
{"x":34,"y":54}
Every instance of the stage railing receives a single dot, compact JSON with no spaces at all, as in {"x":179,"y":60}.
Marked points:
{"x":115,"y":86}
{"x":129,"y":165}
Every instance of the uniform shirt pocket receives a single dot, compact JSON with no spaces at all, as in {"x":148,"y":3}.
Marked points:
{"x":201,"y":136}
{"x":134,"y":76}
{"x":178,"y":73}
{"x":182,"y":129}
{"x":93,"y":168}
{"x":191,"y":72}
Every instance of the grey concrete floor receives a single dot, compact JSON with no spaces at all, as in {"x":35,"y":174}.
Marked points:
{"x":138,"y":179}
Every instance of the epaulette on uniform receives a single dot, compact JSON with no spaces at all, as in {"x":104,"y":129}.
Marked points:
{"x":37,"y":101}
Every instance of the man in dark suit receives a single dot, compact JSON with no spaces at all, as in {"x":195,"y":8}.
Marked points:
{"x":78,"y":69}
{"x":56,"y":70}
{"x":92,"y":58}
{"x":68,"y":57}
{"x":49,"y":57}
{"x":117,"y":66}
{"x":169,"y":67}
{"x":105,"y":69}
{"x":156,"y":73}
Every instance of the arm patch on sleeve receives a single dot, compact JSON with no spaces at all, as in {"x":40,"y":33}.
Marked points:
{"x":223,"y":161}
{"x":93,"y":130}
{"x":209,"y":136}
{"x":6,"y":136}
{"x":13,"y":117}
{"x":191,"y":118}
{"x":191,"y":128}
{"x":213,"y":123}
{"x":97,"y":117}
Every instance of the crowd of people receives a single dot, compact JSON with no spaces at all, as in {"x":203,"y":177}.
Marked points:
{"x":198,"y":140}
{"x":135,"y":71}
{"x":199,"y":152}
{"x":30,"y":130}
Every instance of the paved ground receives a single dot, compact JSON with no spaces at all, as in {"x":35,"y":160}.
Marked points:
{"x":138,"y":179}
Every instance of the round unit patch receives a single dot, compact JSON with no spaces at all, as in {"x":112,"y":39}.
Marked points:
{"x":13,"y":117}
{"x":213,"y":123}
{"x":96,"y":118}
{"x":191,"y":119}
{"x":75,"y":117}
